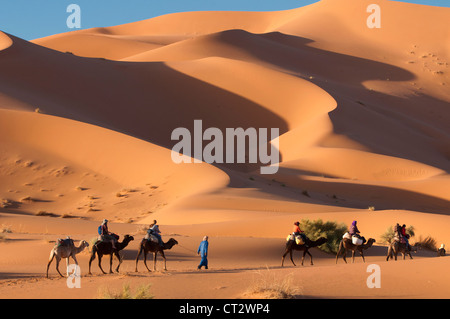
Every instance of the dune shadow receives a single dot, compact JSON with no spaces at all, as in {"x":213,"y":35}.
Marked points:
{"x":361,"y":196}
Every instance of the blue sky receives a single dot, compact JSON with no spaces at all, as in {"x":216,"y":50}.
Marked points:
{"x":31,"y":19}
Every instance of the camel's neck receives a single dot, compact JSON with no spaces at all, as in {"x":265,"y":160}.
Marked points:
{"x":315,"y":243}
{"x":123,"y":244}
{"x":168,"y":246}
{"x":368,"y":245}
{"x":79,"y":249}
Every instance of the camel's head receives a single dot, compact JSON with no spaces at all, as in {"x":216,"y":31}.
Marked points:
{"x":128,"y":238}
{"x":84,"y":244}
{"x":322,"y":240}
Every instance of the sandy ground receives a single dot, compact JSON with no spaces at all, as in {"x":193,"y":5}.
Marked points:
{"x":85,"y":131}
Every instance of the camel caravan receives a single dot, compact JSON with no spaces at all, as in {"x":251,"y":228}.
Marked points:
{"x":108,"y":243}
{"x":354,"y":242}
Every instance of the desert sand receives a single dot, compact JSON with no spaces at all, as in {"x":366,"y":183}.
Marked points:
{"x":85,"y":131}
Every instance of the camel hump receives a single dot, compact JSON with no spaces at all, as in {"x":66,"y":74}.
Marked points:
{"x":65,"y":242}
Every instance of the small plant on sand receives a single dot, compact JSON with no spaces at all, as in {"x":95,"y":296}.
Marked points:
{"x":142,"y":292}
{"x":329,"y":229}
{"x":389,"y":234}
{"x":267,"y":285}
{"x":6,"y":229}
{"x":45,"y":213}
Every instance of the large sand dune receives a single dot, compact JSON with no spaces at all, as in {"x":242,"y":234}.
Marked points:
{"x":85,"y":129}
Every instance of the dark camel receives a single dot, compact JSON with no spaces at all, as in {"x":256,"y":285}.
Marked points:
{"x":150,"y":246}
{"x":346,"y":244}
{"x":291,"y":245}
{"x":396,"y":247}
{"x":105,"y":248}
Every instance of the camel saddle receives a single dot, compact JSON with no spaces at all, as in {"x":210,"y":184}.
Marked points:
{"x":298,"y":239}
{"x":152,"y":238}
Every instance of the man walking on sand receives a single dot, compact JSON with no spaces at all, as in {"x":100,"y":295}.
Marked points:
{"x":203,"y":252}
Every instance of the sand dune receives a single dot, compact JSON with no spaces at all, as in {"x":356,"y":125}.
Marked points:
{"x":85,"y":126}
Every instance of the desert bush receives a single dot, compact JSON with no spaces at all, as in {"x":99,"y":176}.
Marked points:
{"x":142,"y":292}
{"x":45,"y":213}
{"x":270,"y":285}
{"x":428,"y":243}
{"x":332,"y":230}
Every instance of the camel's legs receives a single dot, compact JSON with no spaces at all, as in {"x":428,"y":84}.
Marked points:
{"x":282,"y":258}
{"x":310,"y":256}
{"x":58,"y":259}
{"x":292,"y":259}
{"x":155,"y":254}
{"x":110,"y":262}
{"x":52,"y":255}
{"x":90,"y":261}
{"x":75,"y":259}
{"x":362,"y":255}
{"x":164,"y":257}
{"x":344,"y":256}
{"x":120,"y":260}
{"x":67,"y":266}
{"x":145,"y":260}
{"x":338,"y":253}
{"x":137,"y":258}
{"x":100,"y":263}
{"x":353,"y":256}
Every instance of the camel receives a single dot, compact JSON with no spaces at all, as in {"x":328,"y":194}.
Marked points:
{"x":150,"y":246}
{"x":396,"y":247}
{"x":291,"y":245}
{"x":346,"y":244}
{"x":66,"y":250}
{"x":105,"y":248}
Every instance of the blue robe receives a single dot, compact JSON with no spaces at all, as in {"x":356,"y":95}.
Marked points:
{"x":203,"y":251}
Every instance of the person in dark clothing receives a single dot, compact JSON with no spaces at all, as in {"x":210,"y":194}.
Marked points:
{"x":106,"y":235}
{"x":405,"y":236}
{"x":354,"y":231}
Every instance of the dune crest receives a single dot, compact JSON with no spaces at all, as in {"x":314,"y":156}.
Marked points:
{"x":5,"y":41}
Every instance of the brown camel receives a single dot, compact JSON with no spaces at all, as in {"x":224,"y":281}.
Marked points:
{"x":291,"y":245}
{"x":346,"y":244}
{"x":396,"y":247}
{"x":105,"y":248}
{"x":150,"y":246}
{"x":65,"y":250}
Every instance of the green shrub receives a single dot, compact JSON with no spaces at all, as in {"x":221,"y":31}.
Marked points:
{"x":329,"y":229}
